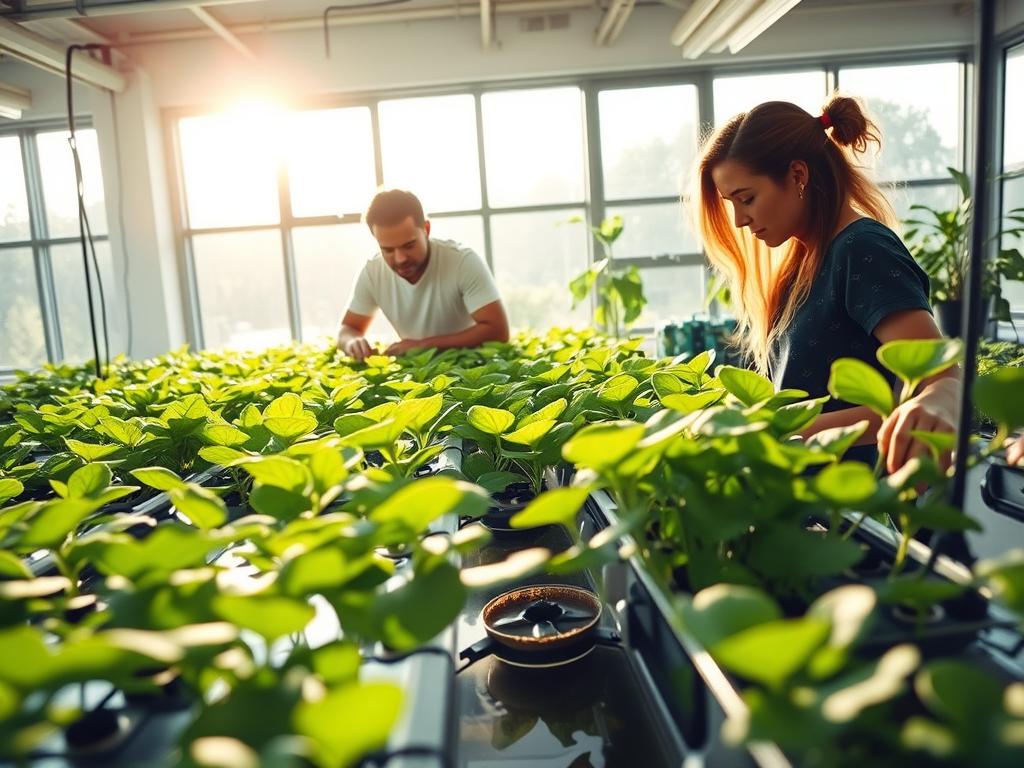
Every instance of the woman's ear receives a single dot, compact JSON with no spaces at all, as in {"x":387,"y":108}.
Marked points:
{"x":799,"y":173}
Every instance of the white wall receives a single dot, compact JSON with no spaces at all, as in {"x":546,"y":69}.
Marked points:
{"x":292,"y":65}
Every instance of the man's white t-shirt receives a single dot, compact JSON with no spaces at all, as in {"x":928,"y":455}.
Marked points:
{"x":455,"y":284}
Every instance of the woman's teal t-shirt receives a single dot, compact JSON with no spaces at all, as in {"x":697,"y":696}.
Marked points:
{"x":866,"y":275}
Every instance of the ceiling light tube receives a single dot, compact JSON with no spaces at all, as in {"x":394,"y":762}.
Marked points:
{"x":748,"y":30}
{"x":718,"y":24}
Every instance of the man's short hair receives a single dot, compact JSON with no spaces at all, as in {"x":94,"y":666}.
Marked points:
{"x":393,"y":206}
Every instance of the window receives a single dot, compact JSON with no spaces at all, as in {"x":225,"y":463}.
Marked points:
{"x":739,"y":93}
{"x":43,"y":301}
{"x":1013,"y":158}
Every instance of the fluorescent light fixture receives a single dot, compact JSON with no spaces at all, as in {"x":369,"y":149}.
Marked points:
{"x":688,"y":23}
{"x":716,"y":25}
{"x":13,"y":101}
{"x":762,"y":18}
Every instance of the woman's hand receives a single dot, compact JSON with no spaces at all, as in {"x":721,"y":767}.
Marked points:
{"x":935,"y":409}
{"x":1015,"y":452}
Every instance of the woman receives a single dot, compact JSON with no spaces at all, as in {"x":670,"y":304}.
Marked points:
{"x":837,"y":282}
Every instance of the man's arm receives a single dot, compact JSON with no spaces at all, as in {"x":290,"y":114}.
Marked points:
{"x":490,"y":324}
{"x":350,"y":336}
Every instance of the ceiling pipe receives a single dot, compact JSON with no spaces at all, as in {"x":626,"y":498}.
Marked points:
{"x":486,"y":23}
{"x":46,"y":9}
{"x":360,"y":18}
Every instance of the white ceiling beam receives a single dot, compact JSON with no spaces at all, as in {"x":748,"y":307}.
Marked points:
{"x":36,"y":49}
{"x":691,"y":19}
{"x":222,"y":32}
{"x":14,"y":101}
{"x":762,"y":18}
{"x":68,"y":30}
{"x":716,"y":25}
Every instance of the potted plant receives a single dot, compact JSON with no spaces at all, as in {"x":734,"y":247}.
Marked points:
{"x":620,"y":291}
{"x":940,"y":241}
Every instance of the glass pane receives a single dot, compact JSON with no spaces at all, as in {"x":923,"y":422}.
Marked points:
{"x":1013,"y":110}
{"x":674,"y":293}
{"x":429,"y":147}
{"x":230,"y":165}
{"x":533,"y":142}
{"x":535,"y":257}
{"x":330,"y":161}
{"x":22,"y":343}
{"x":940,"y":198}
{"x":653,"y":230}
{"x":57,"y":168}
{"x":648,"y":140}
{"x":73,"y":303}
{"x":740,"y":93}
{"x":1013,"y":197}
{"x":13,"y":201}
{"x":467,"y":230}
{"x":240,"y":277}
{"x":327,"y":263}
{"x":918,"y":111}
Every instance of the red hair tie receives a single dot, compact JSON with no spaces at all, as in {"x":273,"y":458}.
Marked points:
{"x":825,"y":120}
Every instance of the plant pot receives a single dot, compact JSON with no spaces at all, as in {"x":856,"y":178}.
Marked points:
{"x":950,"y":316}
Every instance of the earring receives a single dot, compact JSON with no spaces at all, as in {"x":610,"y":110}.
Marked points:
{"x":800,"y":190}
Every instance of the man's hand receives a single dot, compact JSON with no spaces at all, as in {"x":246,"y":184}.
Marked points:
{"x":359,"y":348}
{"x":401,"y":347}
{"x":935,"y":409}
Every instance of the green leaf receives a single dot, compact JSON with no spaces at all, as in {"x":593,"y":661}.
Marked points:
{"x":958,"y":691}
{"x":617,"y":389}
{"x":127,"y":433}
{"x":531,"y":434}
{"x":352,"y":422}
{"x":9,"y":489}
{"x":278,"y":502}
{"x":496,"y":482}
{"x":998,"y":396}
{"x":1005,"y":575}
{"x":837,"y":440}
{"x":89,"y":480}
{"x":914,"y":360}
{"x":690,"y":403}
{"x":558,"y":506}
{"x":858,"y":383}
{"x":368,"y":710}
{"x":748,"y":387}
{"x":327,"y":465}
{"x":288,"y":405}
{"x":552,"y":410}
{"x":269,"y":616}
{"x":794,"y":417}
{"x":158,"y":477}
{"x":918,"y":593}
{"x":723,"y":610}
{"x":222,"y":456}
{"x":168,"y":548}
{"x":847,"y":484}
{"x":92,"y":451}
{"x":490,"y":421}
{"x":418,"y":504}
{"x":290,"y":428}
{"x":48,"y":528}
{"x":794,"y":554}
{"x":419,"y":412}
{"x":601,"y":446}
{"x":382,"y":435}
{"x":279,"y":471}
{"x":337,"y":663}
{"x":771,"y":653}
{"x":667,"y":384}
{"x":224,"y":434}
{"x":13,"y":567}
{"x":199,"y":505}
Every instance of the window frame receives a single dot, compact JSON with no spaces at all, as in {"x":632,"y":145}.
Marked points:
{"x":39,"y":240}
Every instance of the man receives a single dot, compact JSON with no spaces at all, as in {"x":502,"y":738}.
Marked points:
{"x":435,"y":293}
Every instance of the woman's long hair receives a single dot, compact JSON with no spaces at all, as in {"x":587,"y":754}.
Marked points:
{"x":767,"y":287}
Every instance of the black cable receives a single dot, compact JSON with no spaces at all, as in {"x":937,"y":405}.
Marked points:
{"x":83,"y":219}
